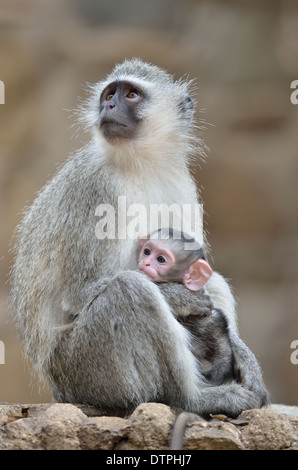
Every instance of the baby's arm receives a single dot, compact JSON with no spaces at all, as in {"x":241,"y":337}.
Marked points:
{"x":184,"y":302}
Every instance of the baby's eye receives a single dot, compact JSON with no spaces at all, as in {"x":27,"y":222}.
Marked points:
{"x":147,"y":251}
{"x":161,"y":259}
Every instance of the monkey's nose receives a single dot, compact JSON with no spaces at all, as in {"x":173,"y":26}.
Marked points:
{"x":111,"y":106}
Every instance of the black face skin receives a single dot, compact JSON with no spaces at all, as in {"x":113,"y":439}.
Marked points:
{"x":118,"y":118}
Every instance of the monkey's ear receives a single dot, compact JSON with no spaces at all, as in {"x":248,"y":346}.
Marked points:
{"x":186,"y":109}
{"x":197,"y":275}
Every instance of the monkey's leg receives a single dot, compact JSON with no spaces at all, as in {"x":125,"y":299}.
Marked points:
{"x":248,"y":370}
{"x":246,"y":364}
{"x":126,"y":348}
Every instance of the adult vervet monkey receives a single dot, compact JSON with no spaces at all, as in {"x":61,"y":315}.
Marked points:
{"x":101,"y":332}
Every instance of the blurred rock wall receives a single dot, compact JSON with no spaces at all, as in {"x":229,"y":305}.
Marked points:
{"x":244,"y":55}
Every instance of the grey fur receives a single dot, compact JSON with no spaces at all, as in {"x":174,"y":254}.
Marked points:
{"x":100,"y":332}
{"x":210,"y":335}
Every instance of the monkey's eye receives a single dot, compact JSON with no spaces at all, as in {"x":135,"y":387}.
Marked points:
{"x":147,"y":251}
{"x":132,"y":94}
{"x":161,"y":259}
{"x":110,"y":96}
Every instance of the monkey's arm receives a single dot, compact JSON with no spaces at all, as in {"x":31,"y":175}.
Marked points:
{"x":184,"y":302}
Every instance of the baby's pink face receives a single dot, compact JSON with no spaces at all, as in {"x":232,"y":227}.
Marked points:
{"x":155,"y":260}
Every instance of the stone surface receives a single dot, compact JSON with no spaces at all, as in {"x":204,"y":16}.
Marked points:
{"x":150,"y":427}
{"x":214,"y":435}
{"x":267,"y":430}
{"x":60,"y":426}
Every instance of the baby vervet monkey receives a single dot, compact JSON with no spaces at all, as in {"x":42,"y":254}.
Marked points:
{"x":169,"y":257}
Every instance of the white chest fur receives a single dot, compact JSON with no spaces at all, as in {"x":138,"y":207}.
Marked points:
{"x":149,"y":205}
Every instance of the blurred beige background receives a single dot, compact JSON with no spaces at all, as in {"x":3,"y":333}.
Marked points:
{"x":244,"y":55}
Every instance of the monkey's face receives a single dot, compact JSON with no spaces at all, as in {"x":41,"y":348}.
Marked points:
{"x":156,"y":261}
{"x":140,"y":111}
{"x":119,"y":110}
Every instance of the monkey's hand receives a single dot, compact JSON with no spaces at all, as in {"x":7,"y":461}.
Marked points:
{"x":184,"y":302}
{"x":248,"y":371}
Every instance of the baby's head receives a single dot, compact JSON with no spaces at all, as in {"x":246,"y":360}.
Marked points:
{"x":168,"y":255}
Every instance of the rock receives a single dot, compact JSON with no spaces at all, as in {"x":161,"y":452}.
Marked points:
{"x":102,"y":433}
{"x":60,"y":426}
{"x":150,"y":427}
{"x":267,"y":430}
{"x":214,"y":435}
{"x":53,"y":429}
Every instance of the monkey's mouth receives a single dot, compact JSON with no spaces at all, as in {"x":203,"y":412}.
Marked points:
{"x":111,"y":122}
{"x":149,"y":271}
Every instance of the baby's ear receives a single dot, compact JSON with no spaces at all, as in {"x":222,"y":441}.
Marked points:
{"x":197,"y":275}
